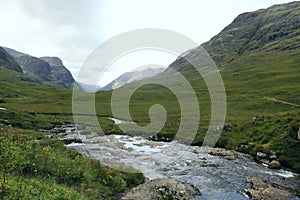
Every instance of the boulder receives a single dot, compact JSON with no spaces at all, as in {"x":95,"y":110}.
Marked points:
{"x":261,"y":190}
{"x":274,"y":164}
{"x":67,"y":141}
{"x":162,"y":189}
{"x":245,"y":148}
{"x":261,"y":156}
{"x":299,"y":134}
{"x":272,"y":156}
{"x":227,"y":154}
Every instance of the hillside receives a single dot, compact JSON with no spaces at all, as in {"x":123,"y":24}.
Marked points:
{"x":7,"y":61}
{"x":258,"y":55}
{"x":48,"y":70}
{"x":266,"y":30}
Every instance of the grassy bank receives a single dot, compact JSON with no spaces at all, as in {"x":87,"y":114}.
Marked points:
{"x":33,"y":167}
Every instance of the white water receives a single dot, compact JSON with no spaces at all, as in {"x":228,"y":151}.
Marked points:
{"x":178,"y":161}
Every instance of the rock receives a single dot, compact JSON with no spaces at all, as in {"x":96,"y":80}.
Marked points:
{"x":261,"y":156}
{"x":160,"y":138}
{"x":272,"y":156}
{"x":274,"y":164}
{"x":205,"y":164}
{"x":230,"y":157}
{"x":162,"y":189}
{"x":299,"y":134}
{"x":261,"y":190}
{"x":31,"y":113}
{"x":227,"y":127}
{"x":256,"y":182}
{"x":227,"y":154}
{"x":245,"y":148}
{"x":264,"y":161}
{"x":67,"y":141}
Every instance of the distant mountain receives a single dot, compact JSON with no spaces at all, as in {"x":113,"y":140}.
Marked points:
{"x":129,"y":77}
{"x":8,"y":62}
{"x":89,"y":87}
{"x":48,"y":70}
{"x":61,"y":76}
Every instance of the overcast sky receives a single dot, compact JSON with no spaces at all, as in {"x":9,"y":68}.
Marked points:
{"x":72,"y":29}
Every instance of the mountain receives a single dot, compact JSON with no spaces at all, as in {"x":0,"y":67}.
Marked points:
{"x":89,"y":87}
{"x":61,"y":76}
{"x":7,"y":61}
{"x":48,"y":70}
{"x":272,"y":29}
{"x":34,"y":67}
{"x":129,"y":77}
{"x":13,"y":52}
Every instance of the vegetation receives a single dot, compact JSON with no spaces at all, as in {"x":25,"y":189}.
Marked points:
{"x":32,"y":167}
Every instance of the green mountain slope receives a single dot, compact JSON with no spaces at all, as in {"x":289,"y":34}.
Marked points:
{"x":272,"y":29}
{"x":7,"y":61}
{"x":258,"y":55}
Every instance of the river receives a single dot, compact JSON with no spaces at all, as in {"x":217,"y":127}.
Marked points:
{"x":215,"y":176}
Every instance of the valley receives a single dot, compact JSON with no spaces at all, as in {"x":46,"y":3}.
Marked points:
{"x":257,"y":56}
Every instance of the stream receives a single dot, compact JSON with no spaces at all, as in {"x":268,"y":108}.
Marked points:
{"x":215,"y":176}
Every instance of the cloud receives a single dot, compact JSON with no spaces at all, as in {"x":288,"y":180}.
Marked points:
{"x":67,"y":29}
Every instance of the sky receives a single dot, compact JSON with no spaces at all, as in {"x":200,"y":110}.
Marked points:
{"x":72,"y":29}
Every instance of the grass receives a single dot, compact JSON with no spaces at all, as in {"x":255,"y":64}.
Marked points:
{"x":33,"y":167}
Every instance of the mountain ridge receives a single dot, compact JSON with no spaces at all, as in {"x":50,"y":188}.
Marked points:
{"x":274,"y":28}
{"x":48,"y":70}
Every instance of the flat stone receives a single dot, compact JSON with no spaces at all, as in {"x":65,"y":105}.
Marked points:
{"x":162,"y":189}
{"x":261,"y":190}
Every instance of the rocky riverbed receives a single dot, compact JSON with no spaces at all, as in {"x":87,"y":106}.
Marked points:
{"x":216,"y":173}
